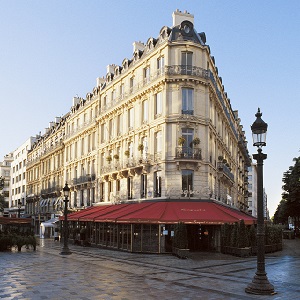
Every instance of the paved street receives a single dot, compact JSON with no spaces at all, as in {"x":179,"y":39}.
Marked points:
{"x":91,"y":273}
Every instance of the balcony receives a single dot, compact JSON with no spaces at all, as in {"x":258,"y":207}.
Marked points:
{"x":225,"y":170}
{"x":51,"y":192}
{"x":187,"y":70}
{"x":83,"y":179}
{"x":187,"y":112}
{"x":127,"y":167}
{"x":188,"y":153}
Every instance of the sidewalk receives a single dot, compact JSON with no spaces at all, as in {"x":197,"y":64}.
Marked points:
{"x":93,"y":273}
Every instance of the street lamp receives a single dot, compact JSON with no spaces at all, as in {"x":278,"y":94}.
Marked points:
{"x":260,"y":284}
{"x":19,"y":208}
{"x":65,"y":250}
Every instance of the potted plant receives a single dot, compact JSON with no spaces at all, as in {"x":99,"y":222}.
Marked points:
{"x":141,"y":147}
{"x":181,"y":141}
{"x":180,"y":242}
{"x":196,"y":141}
{"x":116,"y":156}
{"x":109,"y":159}
{"x":83,"y":232}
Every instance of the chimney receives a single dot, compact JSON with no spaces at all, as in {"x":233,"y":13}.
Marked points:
{"x":100,"y":81}
{"x":110,"y":69}
{"x":57,"y":119}
{"x":138,"y":46}
{"x":179,"y":17}
{"x":76,"y":100}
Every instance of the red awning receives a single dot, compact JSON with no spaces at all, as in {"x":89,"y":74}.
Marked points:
{"x":74,"y":216}
{"x":187,"y":212}
{"x":204,"y":212}
{"x":122,"y":210}
{"x":102,"y":211}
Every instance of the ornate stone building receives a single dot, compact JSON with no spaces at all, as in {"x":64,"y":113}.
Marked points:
{"x":159,"y":126}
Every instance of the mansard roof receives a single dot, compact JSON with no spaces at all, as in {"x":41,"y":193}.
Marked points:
{"x":186,"y":32}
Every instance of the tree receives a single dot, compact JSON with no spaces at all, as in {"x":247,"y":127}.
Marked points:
{"x":243,"y":240}
{"x":180,"y":236}
{"x":3,"y":203}
{"x":291,"y":194}
{"x":281,"y":215}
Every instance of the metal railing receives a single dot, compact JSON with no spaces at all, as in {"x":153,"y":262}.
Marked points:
{"x":225,"y":169}
{"x":188,"y":153}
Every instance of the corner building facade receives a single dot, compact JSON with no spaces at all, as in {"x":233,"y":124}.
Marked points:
{"x":166,"y":128}
{"x":159,"y":127}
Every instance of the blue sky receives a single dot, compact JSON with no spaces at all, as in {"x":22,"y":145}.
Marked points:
{"x":53,"y":50}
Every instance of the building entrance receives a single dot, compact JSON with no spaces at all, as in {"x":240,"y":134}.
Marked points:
{"x":199,"y":237}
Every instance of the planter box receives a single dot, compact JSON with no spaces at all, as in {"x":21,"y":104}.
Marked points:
{"x":254,"y":250}
{"x":243,"y":252}
{"x":181,"y":253}
{"x":288,"y":234}
{"x":268,"y":249}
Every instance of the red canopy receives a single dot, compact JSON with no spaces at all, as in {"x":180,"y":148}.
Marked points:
{"x":75,"y":216}
{"x":204,"y":212}
{"x":102,"y":212}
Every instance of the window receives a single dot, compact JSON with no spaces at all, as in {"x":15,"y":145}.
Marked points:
{"x":131,"y":118}
{"x":129,"y":187}
{"x":144,"y":186}
{"x":131,"y":83}
{"x":187,"y":181}
{"x":113,"y":95}
{"x":82,"y":146}
{"x":102,"y":137}
{"x":188,"y":135}
{"x":102,"y":195}
{"x":111,"y":128}
{"x":144,"y":142}
{"x":158,"y":104}
{"x":104,"y":102}
{"x":122,"y":91}
{"x":118,"y":185}
{"x":157,"y":184}
{"x":130,"y":148}
{"x":187,"y":101}
{"x":145,"y":111}
{"x":147,"y":74}
{"x":186,"y":62}
{"x":160,"y":65}
{"x":158,"y":142}
{"x":119,"y":124}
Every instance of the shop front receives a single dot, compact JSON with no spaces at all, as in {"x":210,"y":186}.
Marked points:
{"x":148,"y":227}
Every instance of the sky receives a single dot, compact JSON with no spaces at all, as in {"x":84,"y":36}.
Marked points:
{"x":51,"y":51}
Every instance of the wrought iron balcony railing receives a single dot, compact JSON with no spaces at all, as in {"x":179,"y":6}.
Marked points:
{"x":225,"y":169}
{"x":188,"y":153}
{"x":84,"y":179}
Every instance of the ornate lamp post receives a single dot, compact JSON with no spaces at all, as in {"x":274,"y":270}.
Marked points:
{"x":260,"y":284}
{"x":65,"y":250}
{"x":19,"y":208}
